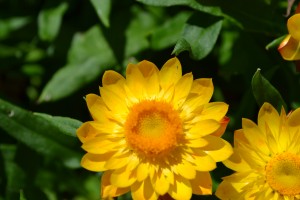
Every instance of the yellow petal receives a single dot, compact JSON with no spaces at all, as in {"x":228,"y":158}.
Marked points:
{"x":118,"y":161}
{"x":202,"y":184}
{"x":143,"y":190}
{"x":142,"y":171}
{"x":147,"y":68}
{"x":182,"y":89}
{"x":110,"y":129}
{"x":150,"y":73}
{"x":100,"y":145}
{"x":203,"y":88}
{"x":160,"y":183}
{"x":122,"y":177}
{"x":97,"y":107}
{"x":254,"y":158}
{"x":181,"y":189}
{"x":142,"y":80}
{"x":186,"y":170}
{"x":86,"y":132}
{"x":227,"y":190}
{"x":233,"y":186}
{"x":107,"y":190}
{"x":293,"y":25}
{"x":214,"y":110}
{"x":224,"y":122}
{"x":290,"y":48}
{"x":111,"y":77}
{"x":135,"y":81}
{"x":294,"y":118}
{"x":95,"y":162}
{"x":254,"y":135}
{"x":200,"y":94}
{"x":202,"y":161}
{"x":217,"y":148}
{"x":114,"y":82}
{"x":196,"y":143}
{"x":203,"y":128}
{"x":236,"y":162}
{"x":113,"y":101}
{"x":170,"y":73}
{"x":168,"y":174}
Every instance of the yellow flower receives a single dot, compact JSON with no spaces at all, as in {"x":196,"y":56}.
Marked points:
{"x":266,"y":158}
{"x":154,"y":133}
{"x":290,"y":46}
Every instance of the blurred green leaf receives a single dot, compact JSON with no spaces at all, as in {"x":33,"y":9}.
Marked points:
{"x":22,"y":197}
{"x":66,"y":125}
{"x":168,"y":33}
{"x":215,"y":10}
{"x":40,"y":134}
{"x":275,"y":43}
{"x":102,"y":8}
{"x":49,"y":21}
{"x":199,"y":35}
{"x":12,"y":24}
{"x":252,"y":15}
{"x":32,"y":69}
{"x":14,"y":174}
{"x":263,"y":91}
{"x":89,"y":55}
{"x":35,"y":55}
{"x":138,"y":31}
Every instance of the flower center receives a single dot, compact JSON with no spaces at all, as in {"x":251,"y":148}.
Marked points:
{"x":283,"y":173}
{"x":153,"y":128}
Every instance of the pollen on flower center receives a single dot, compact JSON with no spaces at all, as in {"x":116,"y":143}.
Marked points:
{"x":283,"y":173}
{"x":153,"y":128}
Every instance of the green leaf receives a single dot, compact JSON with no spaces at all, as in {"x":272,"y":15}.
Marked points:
{"x":263,"y":91}
{"x":102,"y":8}
{"x":199,"y":36}
{"x":15,"y":175}
{"x":215,"y":10}
{"x":138,"y":31}
{"x":89,"y":55}
{"x":253,"y":15}
{"x":65,"y":124}
{"x":168,"y":33}
{"x":9,"y":25}
{"x":47,"y":137}
{"x":22,"y":197}
{"x":275,"y":43}
{"x":49,"y":21}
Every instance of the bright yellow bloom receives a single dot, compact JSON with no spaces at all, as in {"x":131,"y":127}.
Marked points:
{"x":290,"y":46}
{"x":266,"y":158}
{"x":154,"y":133}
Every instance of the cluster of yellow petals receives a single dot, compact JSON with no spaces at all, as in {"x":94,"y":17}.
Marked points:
{"x":154,"y":133}
{"x":266,"y":158}
{"x":290,"y":46}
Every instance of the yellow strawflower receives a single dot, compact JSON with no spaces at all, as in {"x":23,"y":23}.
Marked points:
{"x":154,"y":133}
{"x":289,"y":48}
{"x":266,"y":158}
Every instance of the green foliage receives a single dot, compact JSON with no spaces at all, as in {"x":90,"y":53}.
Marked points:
{"x":53,"y":53}
{"x":49,"y":136}
{"x":49,"y":21}
{"x":263,"y":91}
{"x":199,"y":35}
{"x":103,"y":10}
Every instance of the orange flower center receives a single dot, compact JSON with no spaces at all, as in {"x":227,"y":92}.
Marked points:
{"x":153,"y":128}
{"x":283,"y":173}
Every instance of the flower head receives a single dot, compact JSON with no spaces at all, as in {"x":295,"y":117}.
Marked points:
{"x":290,"y":46}
{"x":154,"y":133}
{"x":266,"y":158}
